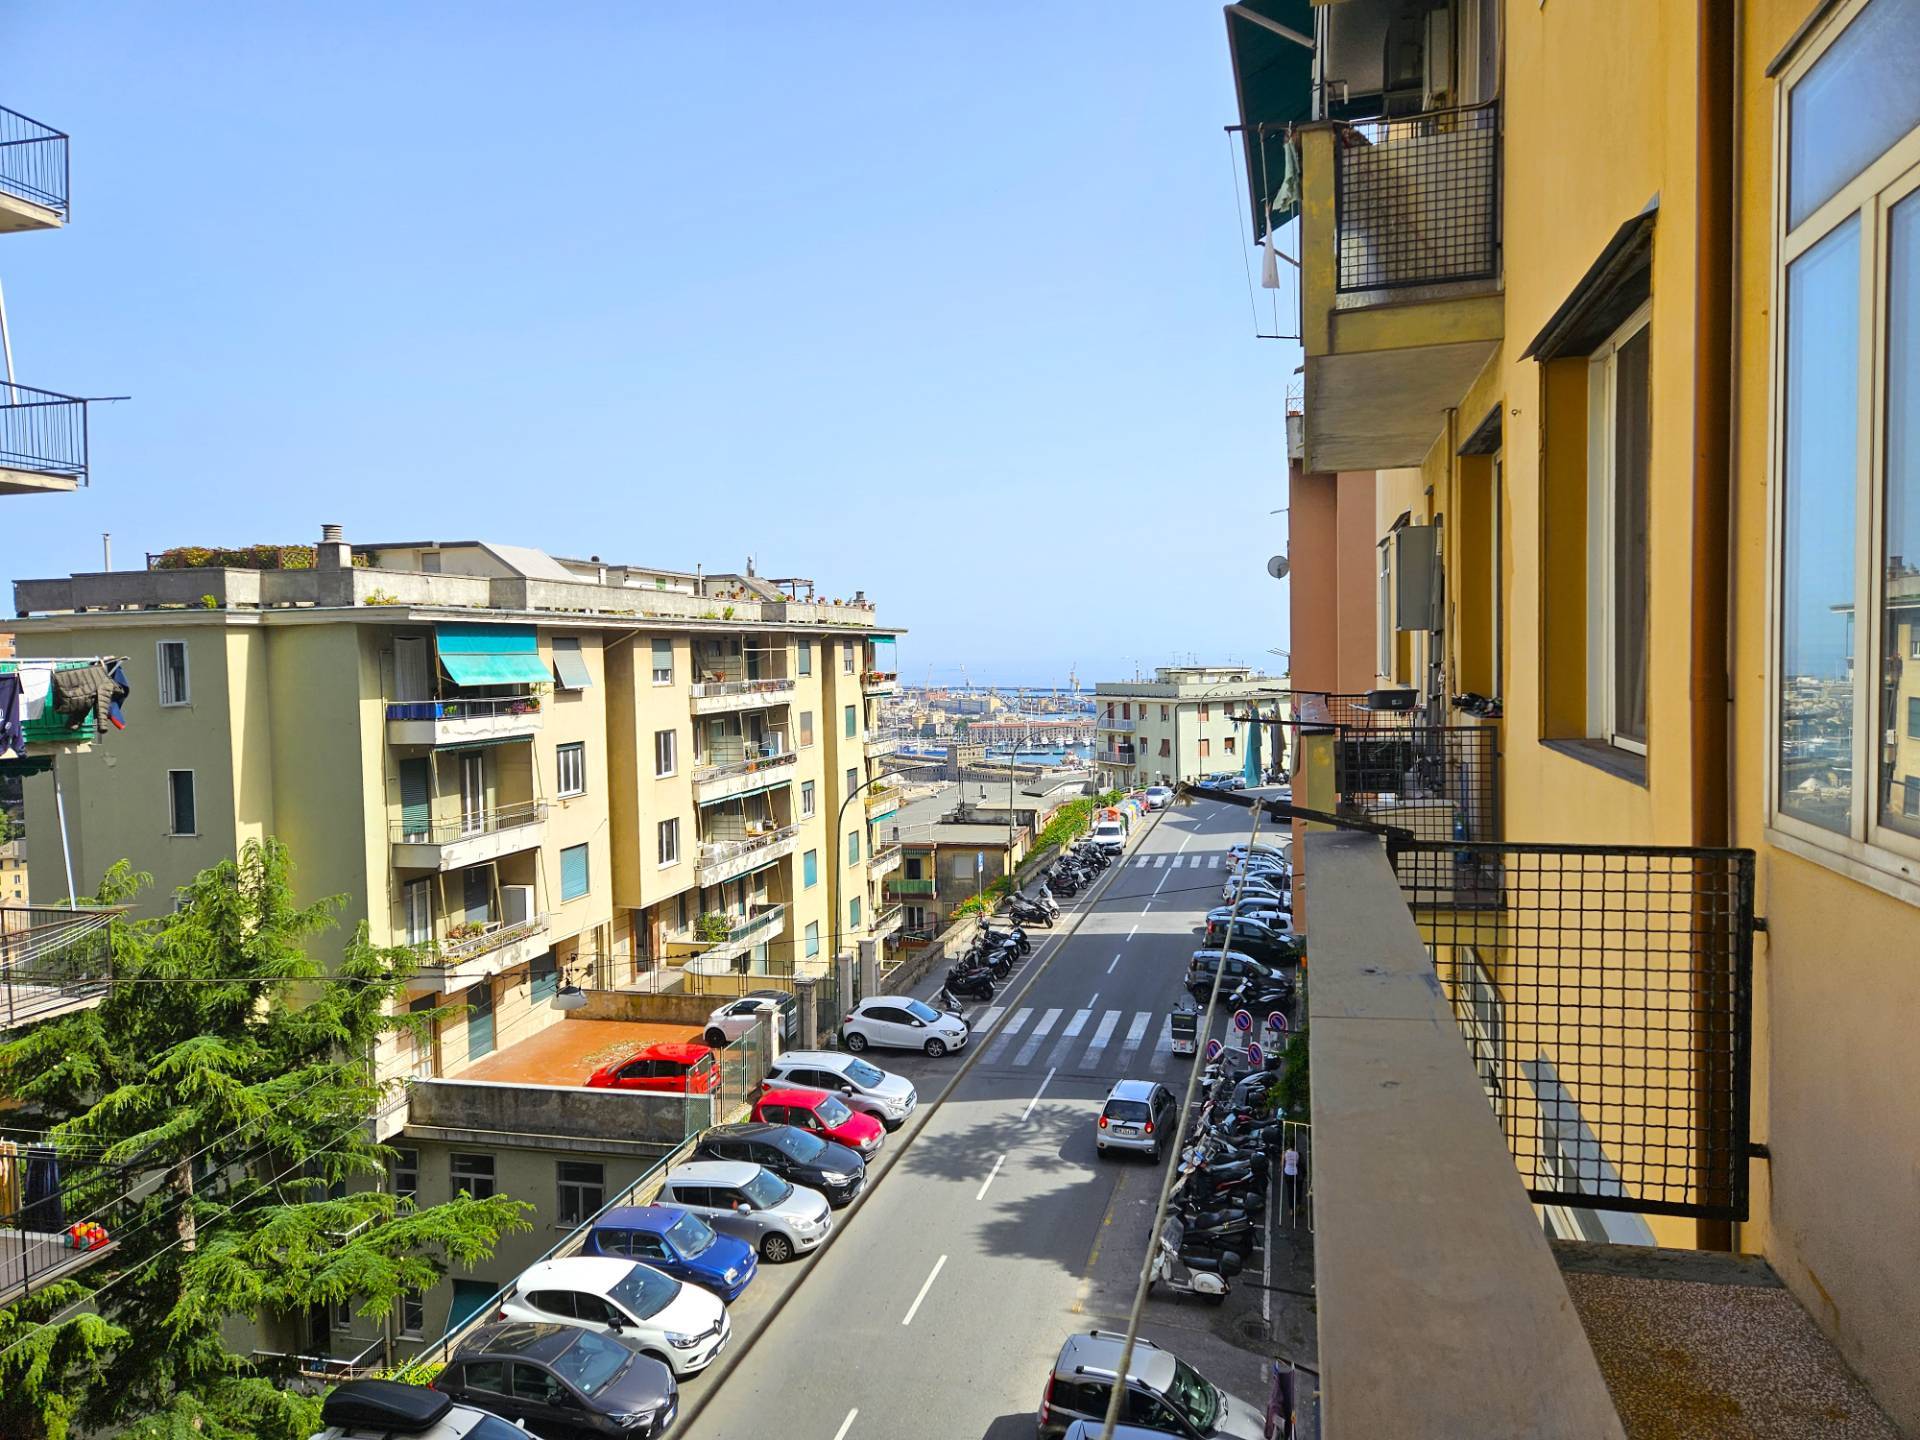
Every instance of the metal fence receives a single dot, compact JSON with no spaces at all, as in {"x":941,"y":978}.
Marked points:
{"x":43,"y":431}
{"x":742,"y":1066}
{"x":1606,"y":995}
{"x":33,"y":161}
{"x":1417,"y":199}
{"x":1436,"y":782}
{"x":52,"y":959}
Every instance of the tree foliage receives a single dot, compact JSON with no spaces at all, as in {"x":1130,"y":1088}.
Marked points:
{"x":218,"y":1104}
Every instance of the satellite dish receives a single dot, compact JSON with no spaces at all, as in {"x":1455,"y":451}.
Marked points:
{"x":1278,"y":567}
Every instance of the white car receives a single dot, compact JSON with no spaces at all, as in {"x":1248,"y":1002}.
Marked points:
{"x":1109,"y":835}
{"x":386,"y":1409}
{"x":1159,"y":797}
{"x":867,"y":1088}
{"x":1276,"y":889}
{"x":899,"y":1022}
{"x":733,"y":1019}
{"x":682,"y":1326}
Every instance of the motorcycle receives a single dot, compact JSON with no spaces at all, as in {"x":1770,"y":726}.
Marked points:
{"x":970,"y":982}
{"x":1014,"y":936}
{"x":1187,"y":1271}
{"x":1029,"y":912}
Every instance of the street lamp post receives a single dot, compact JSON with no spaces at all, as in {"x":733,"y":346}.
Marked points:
{"x":840,"y":849}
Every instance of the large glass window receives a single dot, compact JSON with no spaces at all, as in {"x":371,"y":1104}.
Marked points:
{"x":1853,"y":104}
{"x":1900,"y":567}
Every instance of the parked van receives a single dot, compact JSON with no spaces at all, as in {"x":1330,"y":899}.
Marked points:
{"x":1110,"y":827}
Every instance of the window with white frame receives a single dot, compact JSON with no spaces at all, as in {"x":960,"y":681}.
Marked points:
{"x":183,"y":815}
{"x":663,"y":662}
{"x":846,"y":656}
{"x":1619,"y":452}
{"x":669,"y":842}
{"x":806,"y":798}
{"x":665,"y":752}
{"x":571,"y":763}
{"x":1383,"y":616}
{"x":171,"y":657}
{"x":1847,"y":449}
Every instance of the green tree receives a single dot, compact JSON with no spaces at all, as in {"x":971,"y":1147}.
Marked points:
{"x":220,"y":1098}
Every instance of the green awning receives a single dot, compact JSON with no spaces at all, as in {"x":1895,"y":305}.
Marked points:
{"x":1271,"y":45}
{"x":491,"y":654}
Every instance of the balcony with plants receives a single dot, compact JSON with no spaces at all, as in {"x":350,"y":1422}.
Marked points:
{"x":496,"y":712}
{"x":745,"y":834}
{"x":738,"y":673}
{"x":491,"y":920}
{"x":451,"y":842}
{"x":732,"y":764}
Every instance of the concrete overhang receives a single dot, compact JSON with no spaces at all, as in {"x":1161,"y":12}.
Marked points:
{"x":1383,"y":409}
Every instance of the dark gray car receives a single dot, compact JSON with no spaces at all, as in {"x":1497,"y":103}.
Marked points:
{"x":563,"y":1380}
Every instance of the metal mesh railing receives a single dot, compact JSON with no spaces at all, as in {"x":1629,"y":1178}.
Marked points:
{"x":1417,"y":199}
{"x":1606,"y":995}
{"x":33,"y":161}
{"x":1439,"y":783}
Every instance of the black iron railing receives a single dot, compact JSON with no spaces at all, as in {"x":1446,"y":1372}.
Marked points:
{"x":1417,"y":199}
{"x":52,"y":959}
{"x":33,"y":161}
{"x":43,"y":431}
{"x":1606,"y":995}
{"x":1436,"y":782}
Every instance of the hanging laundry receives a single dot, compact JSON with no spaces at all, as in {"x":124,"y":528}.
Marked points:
{"x":13,"y":728}
{"x":43,"y":1209}
{"x":121,"y":689}
{"x":81,"y":692}
{"x":9,"y":1184}
{"x":36,"y":680}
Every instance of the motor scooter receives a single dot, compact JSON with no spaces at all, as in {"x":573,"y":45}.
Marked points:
{"x":974,"y":983}
{"x":1207,"y":1276}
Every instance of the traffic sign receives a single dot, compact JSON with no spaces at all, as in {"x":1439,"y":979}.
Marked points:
{"x":1256,"y":1057}
{"x":1214,"y":1047}
{"x":979,"y":861}
{"x":1277,"y":1022}
{"x":1242,"y":1021}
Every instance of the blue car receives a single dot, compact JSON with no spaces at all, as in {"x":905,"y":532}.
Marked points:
{"x":681,"y":1245}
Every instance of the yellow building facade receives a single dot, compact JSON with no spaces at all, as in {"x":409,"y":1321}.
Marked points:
{"x":1621,"y":303}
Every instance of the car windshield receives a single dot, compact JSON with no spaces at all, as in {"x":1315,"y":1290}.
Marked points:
{"x":690,"y":1236}
{"x":1131,"y":1111}
{"x":1196,"y":1400}
{"x":863,"y":1074}
{"x":766,"y":1190}
{"x":833,"y":1111}
{"x":590,"y":1362}
{"x":922,"y":1012}
{"x":644,"y":1293}
{"x":798,"y":1144}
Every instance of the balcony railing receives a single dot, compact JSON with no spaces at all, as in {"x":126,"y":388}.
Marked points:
{"x":725,"y":855}
{"x":882,"y":800}
{"x":43,"y":432}
{"x":1115,"y":755}
{"x":487,"y":708}
{"x":885,"y":739}
{"x":1436,"y":782}
{"x":742,"y":760}
{"x":879,"y":682}
{"x":53,"y":960}
{"x":33,"y":162}
{"x":467,"y":947}
{"x":1417,"y":199}
{"x":887,"y":918}
{"x":884,"y":858}
{"x":448,"y":829}
{"x":901,"y":885}
{"x":761,"y":922}
{"x":1125,"y":727}
{"x":722,"y":689}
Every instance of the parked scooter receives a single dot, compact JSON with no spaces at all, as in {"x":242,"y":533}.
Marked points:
{"x":1191,"y":1272}
{"x":1014,"y":936}
{"x":974,"y":982}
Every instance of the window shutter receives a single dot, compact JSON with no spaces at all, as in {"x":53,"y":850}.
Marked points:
{"x":415,"y":805}
{"x":573,"y":872}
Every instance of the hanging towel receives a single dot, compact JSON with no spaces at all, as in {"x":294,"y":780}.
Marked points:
{"x":1269,"y":263}
{"x":43,"y":1210}
{"x":13,"y":732}
{"x":35,"y":682}
{"x":9,"y":1184}
{"x":121,"y":689}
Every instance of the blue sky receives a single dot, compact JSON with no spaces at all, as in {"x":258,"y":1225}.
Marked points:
{"x":942,"y":302}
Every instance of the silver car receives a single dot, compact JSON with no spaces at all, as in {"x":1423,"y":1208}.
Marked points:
{"x":779,"y":1218}
{"x":1138,"y":1116}
{"x":867,"y":1088}
{"x":1165,"y":1395}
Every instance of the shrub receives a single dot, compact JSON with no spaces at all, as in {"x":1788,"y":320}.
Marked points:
{"x":244,"y":557}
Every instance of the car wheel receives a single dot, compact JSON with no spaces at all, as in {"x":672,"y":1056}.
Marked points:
{"x":776,"y":1249}
{"x":936,"y":1048}
{"x":856,"y":1042}
{"x":715,"y":1039}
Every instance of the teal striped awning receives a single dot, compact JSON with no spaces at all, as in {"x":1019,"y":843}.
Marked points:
{"x":491,"y":654}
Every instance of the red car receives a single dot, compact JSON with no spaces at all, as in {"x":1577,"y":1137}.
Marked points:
{"x":827,"y":1116}
{"x":671,"y":1067}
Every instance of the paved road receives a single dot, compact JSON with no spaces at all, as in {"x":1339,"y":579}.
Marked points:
{"x":938,"y":1312}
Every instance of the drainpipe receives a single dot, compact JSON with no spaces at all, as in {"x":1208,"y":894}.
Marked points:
{"x":1708,"y":689}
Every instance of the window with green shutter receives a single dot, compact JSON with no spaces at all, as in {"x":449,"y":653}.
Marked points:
{"x":573,"y":872}
{"x":810,"y":869}
{"x":416,"y":802}
{"x":546,"y":977}
{"x":853,"y":847}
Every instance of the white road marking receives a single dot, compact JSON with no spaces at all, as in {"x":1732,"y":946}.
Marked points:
{"x":1036,"y":1097}
{"x":845,"y":1425}
{"x":1215,"y":865}
{"x":1039,"y":1033}
{"x":981,"y":1193}
{"x":1146,"y":907}
{"x":1100,"y":1037}
{"x":986,"y":1020}
{"x":1183,"y":843}
{"x":1005,"y":1038}
{"x":1130,"y":933}
{"x":1111,"y":963}
{"x":914,"y":1308}
{"x":1136,"y":1032}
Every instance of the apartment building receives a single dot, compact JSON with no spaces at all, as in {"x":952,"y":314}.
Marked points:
{"x":550,"y":772}
{"x":1177,"y":726}
{"x":1633,"y":392}
{"x":43,"y":433}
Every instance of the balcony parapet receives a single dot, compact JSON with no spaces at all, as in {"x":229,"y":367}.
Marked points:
{"x":452,"y":842}
{"x":725,"y":859}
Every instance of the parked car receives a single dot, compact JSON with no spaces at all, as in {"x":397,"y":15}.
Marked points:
{"x":886,"y":1097}
{"x":1159,"y":797}
{"x":733,"y":1019}
{"x":1270,"y":940}
{"x":795,"y":1155}
{"x":1240,"y":850}
{"x":560,"y":1379}
{"x":895,"y":1022}
{"x":677,"y":1243}
{"x":1091,"y":1430}
{"x":1109,"y":834}
{"x":671,"y":1067}
{"x":1138,"y":1116}
{"x":1225,"y":780}
{"x":382,"y":1409}
{"x":1260,"y":883}
{"x":1165,"y":1395}
{"x":1239,"y":967}
{"x":825,"y":1114}
{"x":680,"y":1325}
{"x":1262,"y":902}
{"x":781,"y":1219}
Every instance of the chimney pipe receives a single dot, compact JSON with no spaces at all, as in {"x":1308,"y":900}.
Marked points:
{"x":331,"y":534}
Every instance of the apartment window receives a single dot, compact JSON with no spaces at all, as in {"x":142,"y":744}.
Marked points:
{"x":853,"y":779}
{"x":813,"y":939}
{"x":1913,"y":717}
{"x":1620,"y":445}
{"x":573,"y":872}
{"x":1126,"y":712}
{"x":583,"y":1190}
{"x":1227,"y":744}
{"x":569,"y":665}
{"x":810,"y":869}
{"x":1166,"y":747}
{"x":404,"y":1173}
{"x":853,"y":913}
{"x":1910,"y":789}
{"x":183,"y":817}
{"x":413,"y":1314}
{"x":570,"y":763}
{"x":666,"y":752}
{"x":1204,"y":712}
{"x":1163,"y":714}
{"x":173,"y":688}
{"x":806,"y":798}
{"x":806,"y":729}
{"x":846,"y":656}
{"x":853,"y":847}
{"x":803,"y":658}
{"x":473,"y":1174}
{"x":853,"y":723}
{"x":1848,"y":323}
{"x":543,"y":978}
{"x":663,"y":662}
{"x":1383,"y":614}
{"x":669,"y":833}
{"x":913,"y":868}
{"x":1204,"y":747}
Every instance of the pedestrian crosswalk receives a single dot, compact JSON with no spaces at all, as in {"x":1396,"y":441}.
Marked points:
{"x":1195,"y":861}
{"x":1087,"y":1039}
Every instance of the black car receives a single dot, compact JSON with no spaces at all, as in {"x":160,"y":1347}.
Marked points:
{"x":795,"y":1155}
{"x":1272,"y":945}
{"x":560,"y":1379}
{"x":1268,"y":981}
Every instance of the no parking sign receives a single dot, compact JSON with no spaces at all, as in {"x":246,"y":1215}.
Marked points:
{"x":1242,"y":1021}
{"x":1277,"y":1022}
{"x":1214,"y":1047}
{"x":1256,"y":1057}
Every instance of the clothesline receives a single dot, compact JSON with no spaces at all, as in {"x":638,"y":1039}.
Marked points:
{"x":49,"y":699}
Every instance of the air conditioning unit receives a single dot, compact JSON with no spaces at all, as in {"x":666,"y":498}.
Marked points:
{"x":516,"y":904}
